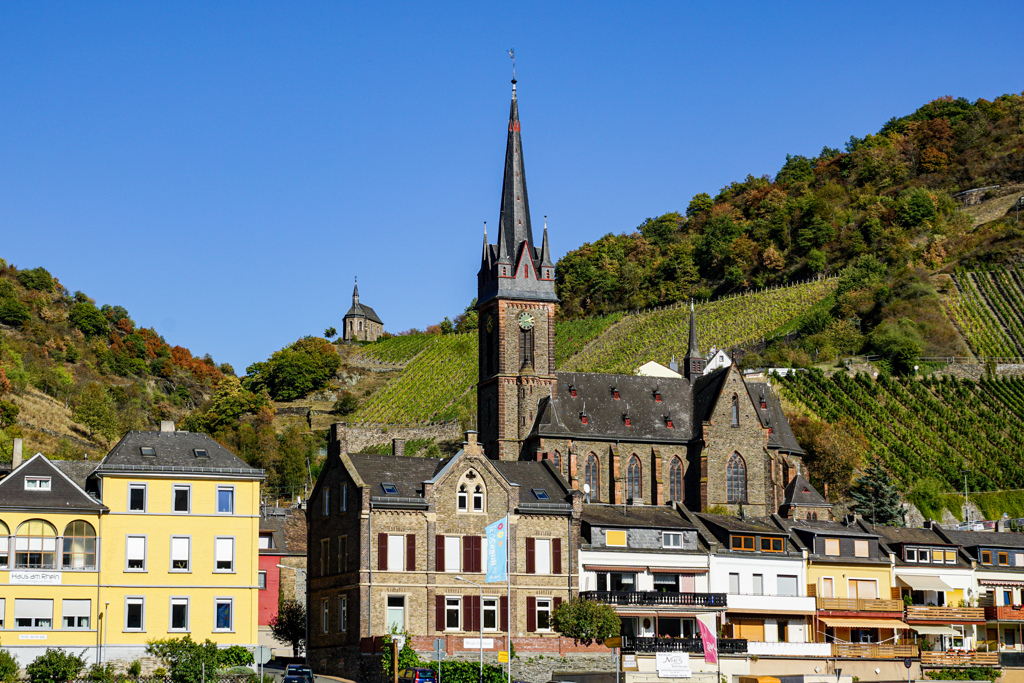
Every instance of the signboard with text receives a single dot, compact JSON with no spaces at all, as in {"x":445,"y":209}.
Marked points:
{"x":35,"y":577}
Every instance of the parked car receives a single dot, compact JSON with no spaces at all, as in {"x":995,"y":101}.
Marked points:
{"x":294,"y":679}
{"x":416,"y":675}
{"x":299,"y":671}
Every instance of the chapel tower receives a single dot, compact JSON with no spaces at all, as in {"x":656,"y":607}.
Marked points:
{"x":516,"y":302}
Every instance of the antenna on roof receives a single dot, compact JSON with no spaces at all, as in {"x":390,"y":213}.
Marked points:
{"x":512,"y":54}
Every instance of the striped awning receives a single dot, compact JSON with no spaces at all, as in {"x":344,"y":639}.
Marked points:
{"x":863,"y":623}
{"x":635,"y":613}
{"x":678,"y":570}
{"x":612,"y":568}
{"x":1000,"y":582}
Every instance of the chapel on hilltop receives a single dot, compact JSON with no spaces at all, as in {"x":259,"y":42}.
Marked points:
{"x":709,"y":438}
{"x":361,"y":323}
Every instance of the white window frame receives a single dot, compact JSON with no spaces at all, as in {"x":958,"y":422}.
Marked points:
{"x":187,"y":488}
{"x":924,"y":555}
{"x":135,"y":600}
{"x":234,"y":566}
{"x":325,"y":615}
{"x":755,"y":589}
{"x":396,"y":552}
{"x":35,"y":620}
{"x":542,"y":560}
{"x":779,"y":578}
{"x":494,"y":606}
{"x":832,"y":582}
{"x":453,"y":602}
{"x":179,"y":600}
{"x":462,"y":499}
{"x":544,"y":605}
{"x":343,"y":613}
{"x":478,"y":498}
{"x":145,"y":553}
{"x":731,"y":575}
{"x":668,"y":538}
{"x":230,"y":602}
{"x":188,"y":556}
{"x":388,"y":608}
{"x":40,"y":483}
{"x":216,"y":502}
{"x":135,"y":486}
{"x":3,"y":610}
{"x":911,"y":555}
{"x":261,"y":580}
{"x":77,"y":626}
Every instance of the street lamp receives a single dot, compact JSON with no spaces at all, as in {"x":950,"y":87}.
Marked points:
{"x":967,"y":509}
{"x":459,"y":578}
{"x":305,"y":584}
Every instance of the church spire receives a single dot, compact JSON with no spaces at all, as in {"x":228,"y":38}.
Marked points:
{"x":694,"y":349}
{"x":694,"y":361}
{"x":545,"y":250}
{"x":355,"y":293}
{"x":514,"y":224}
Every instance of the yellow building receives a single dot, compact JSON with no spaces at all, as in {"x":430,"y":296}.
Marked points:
{"x":172,"y":525}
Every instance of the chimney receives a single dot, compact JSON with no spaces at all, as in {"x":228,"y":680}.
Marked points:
{"x":398,"y":447}
{"x":672,"y":364}
{"x":16,"y":454}
{"x":166,"y":426}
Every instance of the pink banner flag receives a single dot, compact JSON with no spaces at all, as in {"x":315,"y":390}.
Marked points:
{"x":710,"y":641}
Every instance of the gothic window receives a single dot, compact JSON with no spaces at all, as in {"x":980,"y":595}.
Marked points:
{"x":525,"y":347}
{"x":633,"y":489}
{"x":736,"y":479}
{"x":478,"y":498}
{"x":463,"y":498}
{"x":675,"y":480}
{"x":590,"y":477}
{"x":558,"y":462}
{"x":735,"y":411}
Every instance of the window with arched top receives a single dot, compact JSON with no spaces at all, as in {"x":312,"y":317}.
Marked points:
{"x":735,"y":410}
{"x":525,"y":347}
{"x":591,"y":478}
{"x":79,"y":546}
{"x":558,"y":462}
{"x":4,"y":548}
{"x":736,"y":479}
{"x":478,"y":498}
{"x":35,"y":545}
{"x":675,"y":480}
{"x":463,"y":498}
{"x":633,"y":489}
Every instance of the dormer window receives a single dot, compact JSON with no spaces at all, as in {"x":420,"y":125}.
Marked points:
{"x":389,"y":489}
{"x":201,"y":452}
{"x":147,"y":450}
{"x":37,"y":483}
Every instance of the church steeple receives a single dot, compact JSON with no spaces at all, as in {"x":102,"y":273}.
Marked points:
{"x":355,"y":294}
{"x":694,"y":361}
{"x":514,"y":224}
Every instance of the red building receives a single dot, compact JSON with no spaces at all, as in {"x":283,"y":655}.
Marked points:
{"x":282,"y":571}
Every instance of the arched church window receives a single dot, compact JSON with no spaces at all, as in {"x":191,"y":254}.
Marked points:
{"x":735,"y":410}
{"x":463,"y":498}
{"x":558,"y":462}
{"x":525,"y":347}
{"x":590,"y":476}
{"x":478,"y":498}
{"x":736,"y":479}
{"x":633,"y":489}
{"x":675,"y":480}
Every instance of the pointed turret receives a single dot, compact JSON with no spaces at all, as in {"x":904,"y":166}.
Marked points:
{"x":545,"y":250}
{"x":694,"y":363}
{"x":694,"y":348}
{"x":485,"y":259}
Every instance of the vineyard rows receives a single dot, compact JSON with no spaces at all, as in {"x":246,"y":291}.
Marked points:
{"x":725,"y":323}
{"x":988,"y":307}
{"x":572,"y":335}
{"x":398,"y":349}
{"x":927,"y":428}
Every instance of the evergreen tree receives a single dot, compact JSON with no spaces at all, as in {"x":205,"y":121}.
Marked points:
{"x":875,"y":496}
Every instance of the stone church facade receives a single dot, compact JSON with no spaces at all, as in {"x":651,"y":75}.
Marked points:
{"x":361,"y":323}
{"x":707,"y":440}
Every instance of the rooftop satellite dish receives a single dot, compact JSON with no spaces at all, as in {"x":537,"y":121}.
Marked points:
{"x":586,"y":488}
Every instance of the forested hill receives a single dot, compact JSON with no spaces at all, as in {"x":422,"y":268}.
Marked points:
{"x":885,"y":201}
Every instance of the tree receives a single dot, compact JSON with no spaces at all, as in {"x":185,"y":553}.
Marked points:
{"x":86,"y":317}
{"x":8,"y":667}
{"x":330,"y":332}
{"x":36,"y":278}
{"x":13,"y":312}
{"x":699,"y":205}
{"x":95,"y":410}
{"x":54,"y":666}
{"x":900,"y":342}
{"x":346,"y":405}
{"x":875,"y":496}
{"x":289,"y":625}
{"x":585,"y":620}
{"x":8,"y":413}
{"x":294,"y":371}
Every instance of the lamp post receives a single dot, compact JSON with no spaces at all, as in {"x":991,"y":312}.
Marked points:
{"x":967,"y":509}
{"x":305,"y":586}
{"x":106,"y":610}
{"x":459,"y":578}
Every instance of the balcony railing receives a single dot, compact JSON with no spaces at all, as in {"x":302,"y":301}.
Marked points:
{"x":1004,"y":613}
{"x":692,"y":645}
{"x":873,"y":651}
{"x":959,"y":658}
{"x":947,"y":615}
{"x":646,"y":598}
{"x":859,"y":605}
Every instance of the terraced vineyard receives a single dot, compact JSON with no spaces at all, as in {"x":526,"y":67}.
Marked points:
{"x":927,"y":427}
{"x":988,"y":307}
{"x":435,"y":378}
{"x":725,"y":323}
{"x":572,"y":335}
{"x":398,"y":350}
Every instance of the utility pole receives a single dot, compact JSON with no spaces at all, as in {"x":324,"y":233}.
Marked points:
{"x":967,"y":509}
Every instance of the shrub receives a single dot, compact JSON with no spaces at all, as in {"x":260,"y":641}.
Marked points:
{"x":8,"y":667}
{"x":346,"y":405}
{"x":54,"y":666}
{"x":7,"y":290}
{"x":970,"y":673}
{"x":585,"y":620}
{"x":36,"y":278}
{"x":186,"y":658}
{"x":236,"y":655}
{"x":13,"y":312}
{"x":135,"y":669}
{"x":102,"y":673}
{"x":86,"y":317}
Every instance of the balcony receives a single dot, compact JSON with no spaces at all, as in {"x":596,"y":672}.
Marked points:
{"x":781,"y":604}
{"x":946,"y":615}
{"x":764,"y":649}
{"x":859,"y":605}
{"x":657,"y":598}
{"x":691,"y":645}
{"x":873,"y":651}
{"x":1004,"y":613}
{"x":959,"y":658}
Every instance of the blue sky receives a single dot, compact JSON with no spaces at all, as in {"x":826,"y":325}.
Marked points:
{"x":224,"y":170}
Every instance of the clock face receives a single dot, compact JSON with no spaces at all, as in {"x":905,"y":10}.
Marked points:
{"x":526,"y":321}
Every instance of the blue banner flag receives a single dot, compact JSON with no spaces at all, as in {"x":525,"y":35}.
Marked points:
{"x":497,"y":550}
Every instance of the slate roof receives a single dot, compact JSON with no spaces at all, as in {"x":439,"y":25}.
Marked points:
{"x":405,"y":472}
{"x":560,"y":418}
{"x":648,"y":516}
{"x":288,"y":526}
{"x":64,"y":493}
{"x":174,"y":449}
{"x":739,"y":524}
{"x":800,"y":492}
{"x":826,"y":528}
{"x":533,"y":474}
{"x":911,"y":536}
{"x":77,"y":470}
{"x":363,"y":311}
{"x":991,"y":539}
{"x":772,"y":415}
{"x":705,"y":395}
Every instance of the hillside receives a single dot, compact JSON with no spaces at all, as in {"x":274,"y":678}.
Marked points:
{"x":988,"y":308}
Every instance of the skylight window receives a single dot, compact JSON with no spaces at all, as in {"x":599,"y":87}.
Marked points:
{"x":541,"y":494}
{"x":201,"y":452}
{"x":147,"y":450}
{"x":390,"y":489}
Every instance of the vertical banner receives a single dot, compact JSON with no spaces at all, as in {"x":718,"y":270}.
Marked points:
{"x":497,"y":550}
{"x":708,"y":637}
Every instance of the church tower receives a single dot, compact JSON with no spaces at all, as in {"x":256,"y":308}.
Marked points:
{"x":516,"y":302}
{"x":694,"y":361}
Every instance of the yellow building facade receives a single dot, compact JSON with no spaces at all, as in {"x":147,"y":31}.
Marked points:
{"x":158,"y":540}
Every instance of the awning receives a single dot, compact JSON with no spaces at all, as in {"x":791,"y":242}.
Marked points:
{"x":924,"y":583}
{"x":678,"y":570}
{"x":999,"y":582}
{"x":635,"y":613}
{"x":737,"y":612}
{"x":863,"y":623}
{"x":936,"y":630}
{"x":611,"y":568}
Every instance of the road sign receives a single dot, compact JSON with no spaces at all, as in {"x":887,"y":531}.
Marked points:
{"x":399,"y":640}
{"x":438,"y":643}
{"x":261,"y":655}
{"x":907,"y":663}
{"x":613,"y":642}
{"x":503,"y":656}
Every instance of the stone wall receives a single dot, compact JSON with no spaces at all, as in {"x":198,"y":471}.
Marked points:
{"x":361,"y":435}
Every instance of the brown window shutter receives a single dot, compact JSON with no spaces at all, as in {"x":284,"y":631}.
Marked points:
{"x":531,"y":559}
{"x":439,"y":553}
{"x":504,"y":613}
{"x":556,"y":556}
{"x":467,"y":553}
{"x":555,"y":604}
{"x":476,"y":612}
{"x":531,"y":614}
{"x":467,"y":612}
{"x":382,"y":552}
{"x":410,"y":552}
{"x":478,"y":555}
{"x":439,"y":612}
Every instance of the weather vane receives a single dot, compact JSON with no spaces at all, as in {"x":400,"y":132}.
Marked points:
{"x":512,"y":54}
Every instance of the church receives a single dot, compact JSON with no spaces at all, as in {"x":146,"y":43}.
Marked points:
{"x":709,"y":439}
